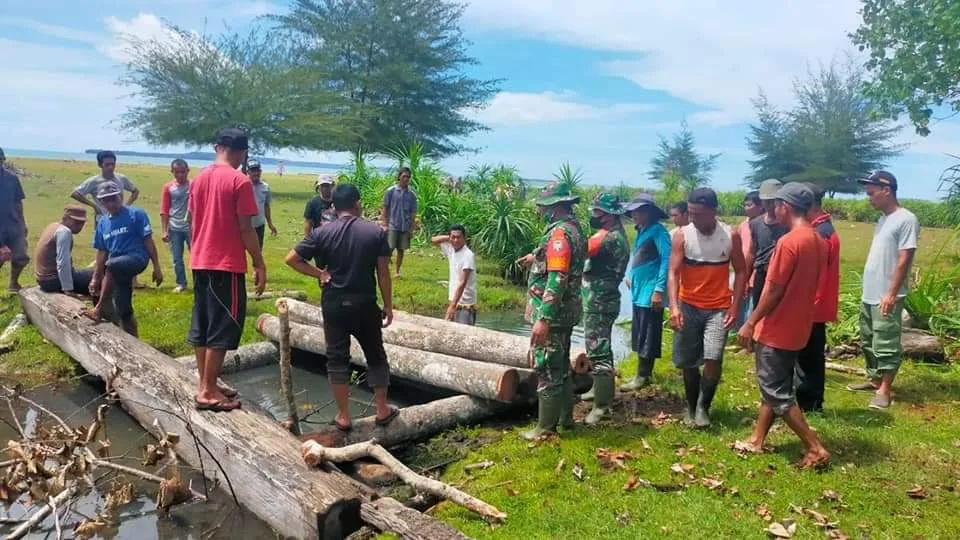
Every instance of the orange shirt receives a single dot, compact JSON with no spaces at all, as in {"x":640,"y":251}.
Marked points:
{"x":705,"y":276}
{"x":797,"y":261}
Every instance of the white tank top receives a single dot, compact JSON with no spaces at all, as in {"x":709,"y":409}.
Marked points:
{"x":702,"y":249}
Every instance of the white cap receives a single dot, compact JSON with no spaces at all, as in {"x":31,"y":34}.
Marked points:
{"x":324,"y":179}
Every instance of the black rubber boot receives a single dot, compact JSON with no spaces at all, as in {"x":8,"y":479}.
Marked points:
{"x":691,"y":389}
{"x":708,"y":388}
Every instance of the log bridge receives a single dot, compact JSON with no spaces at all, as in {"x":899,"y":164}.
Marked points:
{"x":261,"y":462}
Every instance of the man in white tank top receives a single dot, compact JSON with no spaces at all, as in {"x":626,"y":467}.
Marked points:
{"x":702,"y":308}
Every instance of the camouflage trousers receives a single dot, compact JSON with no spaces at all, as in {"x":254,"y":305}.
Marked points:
{"x":597,"y":328}
{"x":552,"y":361}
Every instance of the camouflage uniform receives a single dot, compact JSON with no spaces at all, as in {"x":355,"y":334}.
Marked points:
{"x":554,"y":290}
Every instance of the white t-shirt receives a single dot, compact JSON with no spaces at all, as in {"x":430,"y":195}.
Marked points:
{"x":459,"y":261}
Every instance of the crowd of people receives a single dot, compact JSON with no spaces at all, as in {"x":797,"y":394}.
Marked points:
{"x":773,"y":280}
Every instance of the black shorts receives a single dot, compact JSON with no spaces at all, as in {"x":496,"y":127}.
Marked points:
{"x":81,"y":282}
{"x":123,"y":270}
{"x":362,"y":320}
{"x":219,"y":309}
{"x":647,"y":335}
{"x":261,"y":231}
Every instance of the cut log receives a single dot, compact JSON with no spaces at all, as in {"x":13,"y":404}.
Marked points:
{"x":286,"y":377}
{"x":444,"y":337}
{"x":845,"y":369}
{"x":273,"y":295}
{"x":254,"y":355}
{"x":414,"y":422}
{"x":387,"y":514}
{"x":315,"y":454}
{"x":922,"y":345}
{"x":488,"y":381}
{"x":260,"y":461}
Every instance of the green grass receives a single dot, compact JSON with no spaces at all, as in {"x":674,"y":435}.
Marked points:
{"x":165,"y":317}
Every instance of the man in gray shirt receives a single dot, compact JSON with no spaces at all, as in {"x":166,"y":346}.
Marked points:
{"x":87,"y":191}
{"x":398,"y":215}
{"x":174,"y":200}
{"x":885,"y":278}
{"x":261,"y":192}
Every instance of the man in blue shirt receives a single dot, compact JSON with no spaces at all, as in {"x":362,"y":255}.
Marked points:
{"x":398,"y":215}
{"x":124,"y":243}
{"x":647,"y":278}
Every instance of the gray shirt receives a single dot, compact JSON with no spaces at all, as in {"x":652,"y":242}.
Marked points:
{"x":261,"y":192}
{"x":90,"y":185}
{"x":893,"y":234}
{"x":64,"y":240}
{"x":401,"y":205}
{"x":176,"y":196}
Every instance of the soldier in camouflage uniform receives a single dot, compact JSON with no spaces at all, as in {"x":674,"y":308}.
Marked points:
{"x":554,"y":307}
{"x":607,"y":255}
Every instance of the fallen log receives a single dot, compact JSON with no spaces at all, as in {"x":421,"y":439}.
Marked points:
{"x":444,"y":337}
{"x":488,"y":381}
{"x":315,"y":454}
{"x":922,"y":345}
{"x":254,"y":355}
{"x":845,"y":369}
{"x":387,"y":514}
{"x":273,"y":295}
{"x":248,"y":452}
{"x":413,"y":423}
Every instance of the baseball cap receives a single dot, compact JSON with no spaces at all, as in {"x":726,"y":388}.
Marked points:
{"x":108,"y":189}
{"x":818,"y":191}
{"x":705,"y":196}
{"x":769,"y":188}
{"x":253,"y":165}
{"x":882,"y":179}
{"x":796,"y":194}
{"x":232,"y":138}
{"x":75,"y":212}
{"x":324,"y":179}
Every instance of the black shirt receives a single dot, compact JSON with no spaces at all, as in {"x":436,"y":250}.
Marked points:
{"x":763,"y":238}
{"x":349,"y":249}
{"x":319,"y":211}
{"x":11,"y":193}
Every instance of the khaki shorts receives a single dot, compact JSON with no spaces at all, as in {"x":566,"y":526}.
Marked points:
{"x":399,"y":239}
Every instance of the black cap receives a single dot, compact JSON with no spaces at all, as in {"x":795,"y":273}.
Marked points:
{"x":705,"y":196}
{"x":818,"y":191}
{"x":232,"y":138}
{"x":796,"y":194}
{"x":882,"y":179}
{"x":253,"y":165}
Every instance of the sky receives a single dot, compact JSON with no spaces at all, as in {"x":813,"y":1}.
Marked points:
{"x":589,"y":82}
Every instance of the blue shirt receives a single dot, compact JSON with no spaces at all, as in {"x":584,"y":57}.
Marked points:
{"x":123,"y":233}
{"x":649,"y":264}
{"x":401,"y":205}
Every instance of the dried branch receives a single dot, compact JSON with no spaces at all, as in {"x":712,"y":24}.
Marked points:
{"x":41,"y":513}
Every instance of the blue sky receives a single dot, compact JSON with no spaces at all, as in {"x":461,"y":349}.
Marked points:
{"x":589,"y":82}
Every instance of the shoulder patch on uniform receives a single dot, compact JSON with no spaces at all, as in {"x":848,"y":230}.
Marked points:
{"x":558,"y":252}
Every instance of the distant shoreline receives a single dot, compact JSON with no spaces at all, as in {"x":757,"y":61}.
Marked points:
{"x":209,"y":156}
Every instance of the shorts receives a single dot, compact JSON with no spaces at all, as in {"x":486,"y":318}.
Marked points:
{"x":16,"y":241}
{"x":123,"y":270}
{"x":465,"y":315}
{"x":647,"y":332}
{"x":219,"y":309}
{"x":399,"y":239}
{"x":702,"y":337}
{"x":363,"y":321}
{"x":775,"y":372}
{"x":261,"y":231}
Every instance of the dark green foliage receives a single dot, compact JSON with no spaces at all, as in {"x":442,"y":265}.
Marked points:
{"x":679,"y":155}
{"x":398,"y":63}
{"x":830,"y":137}
{"x":914,"y":57}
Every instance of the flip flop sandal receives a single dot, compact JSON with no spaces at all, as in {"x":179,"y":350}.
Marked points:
{"x":340,"y":427}
{"x":394,"y":413}
{"x":217,"y":406}
{"x":229,"y":392}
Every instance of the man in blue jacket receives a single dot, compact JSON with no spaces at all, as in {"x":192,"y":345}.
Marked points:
{"x":647,"y":279}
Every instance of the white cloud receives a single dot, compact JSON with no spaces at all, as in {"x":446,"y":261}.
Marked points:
{"x":713,"y":54}
{"x":519,"y":109}
{"x":52,"y":30}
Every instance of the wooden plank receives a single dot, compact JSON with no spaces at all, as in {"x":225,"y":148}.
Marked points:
{"x":260,"y":459}
{"x":488,"y":381}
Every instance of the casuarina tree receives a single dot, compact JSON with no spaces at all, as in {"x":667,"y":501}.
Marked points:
{"x":679,"y":155}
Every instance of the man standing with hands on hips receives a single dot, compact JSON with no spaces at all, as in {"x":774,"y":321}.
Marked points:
{"x":885,"y":278}
{"x":399,"y":214}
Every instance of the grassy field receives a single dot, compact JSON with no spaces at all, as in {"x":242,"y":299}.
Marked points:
{"x":879,"y":456}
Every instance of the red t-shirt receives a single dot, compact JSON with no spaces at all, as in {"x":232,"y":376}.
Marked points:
{"x":796,"y":265}
{"x":828,"y":292}
{"x":218,"y":197}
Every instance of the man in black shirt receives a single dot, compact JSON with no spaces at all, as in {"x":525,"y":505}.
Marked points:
{"x":765,"y":230}
{"x":348,"y":252}
{"x":320,"y":209}
{"x":13,"y":227}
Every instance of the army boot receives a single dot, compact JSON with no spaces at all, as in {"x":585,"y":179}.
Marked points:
{"x":644,"y":370}
{"x":566,"y":403}
{"x":603,"y":384}
{"x":548,"y":414}
{"x":708,"y":388}
{"x":691,"y":390}
{"x":589,"y":394}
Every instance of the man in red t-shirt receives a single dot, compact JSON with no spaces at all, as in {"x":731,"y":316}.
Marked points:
{"x":780,"y":325}
{"x":812,"y":361}
{"x":221,"y":206}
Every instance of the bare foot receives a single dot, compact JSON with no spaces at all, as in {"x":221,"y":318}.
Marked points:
{"x":748,"y":446}
{"x":814,"y":459}
{"x":93,"y":314}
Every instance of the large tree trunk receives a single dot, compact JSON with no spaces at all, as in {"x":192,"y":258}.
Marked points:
{"x":488,"y":381}
{"x":261,"y":461}
{"x":922,"y":345}
{"x":414,"y":423}
{"x":388,"y":514}
{"x":444,"y":337}
{"x":254,"y":355}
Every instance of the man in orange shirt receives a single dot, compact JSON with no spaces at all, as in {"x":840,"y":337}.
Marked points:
{"x":702,"y":310}
{"x":781,"y":322}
